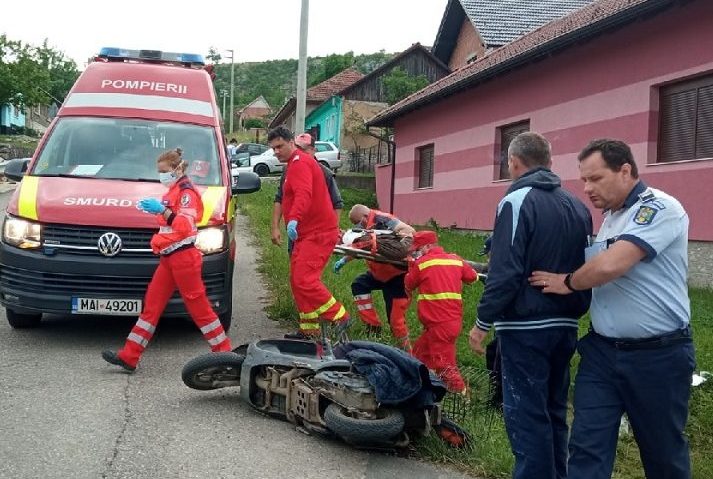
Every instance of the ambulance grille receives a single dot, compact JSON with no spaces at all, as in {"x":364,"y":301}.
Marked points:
{"x":83,"y":240}
{"x":16,"y":281}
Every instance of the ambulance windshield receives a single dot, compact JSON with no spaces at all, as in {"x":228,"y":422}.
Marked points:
{"x":126,"y":149}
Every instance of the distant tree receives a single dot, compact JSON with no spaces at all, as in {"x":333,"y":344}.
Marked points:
{"x":254,"y":123}
{"x":23,"y":79}
{"x":398,"y":84}
{"x":213,"y":55}
{"x":62,"y":71}
{"x":333,"y":64}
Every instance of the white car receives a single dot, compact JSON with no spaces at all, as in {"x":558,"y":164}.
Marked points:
{"x":262,"y":164}
{"x":265,"y":163}
{"x":328,"y":154}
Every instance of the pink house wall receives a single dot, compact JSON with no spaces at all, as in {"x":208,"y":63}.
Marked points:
{"x":607,"y":87}
{"x":383,"y":186}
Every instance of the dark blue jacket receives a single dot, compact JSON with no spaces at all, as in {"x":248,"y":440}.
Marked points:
{"x":398,"y":378}
{"x":539,"y":226}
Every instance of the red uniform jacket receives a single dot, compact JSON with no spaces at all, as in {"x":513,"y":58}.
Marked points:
{"x":439,"y":277}
{"x":382,"y":221}
{"x":305,"y":197}
{"x":180,"y":228}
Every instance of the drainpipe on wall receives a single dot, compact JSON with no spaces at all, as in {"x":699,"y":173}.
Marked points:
{"x":390,"y":146}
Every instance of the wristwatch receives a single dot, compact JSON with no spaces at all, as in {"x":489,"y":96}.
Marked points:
{"x":568,"y":283}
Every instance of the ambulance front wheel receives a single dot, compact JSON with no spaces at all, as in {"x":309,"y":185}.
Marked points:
{"x":225,"y":319}
{"x":20,"y":321}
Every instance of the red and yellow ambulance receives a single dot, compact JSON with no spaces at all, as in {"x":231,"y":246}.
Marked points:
{"x":73,"y":241}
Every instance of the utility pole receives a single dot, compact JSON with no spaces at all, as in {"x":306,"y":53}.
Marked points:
{"x":224,"y":94}
{"x":232,"y":86}
{"x":302,"y":70}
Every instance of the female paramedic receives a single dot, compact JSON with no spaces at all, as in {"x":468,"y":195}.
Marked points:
{"x":179,"y":266}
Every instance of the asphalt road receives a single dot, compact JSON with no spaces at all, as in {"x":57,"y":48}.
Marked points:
{"x":65,"y":413}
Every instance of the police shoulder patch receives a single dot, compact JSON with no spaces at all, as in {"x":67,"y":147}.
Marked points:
{"x":185,"y":199}
{"x":645,"y":215}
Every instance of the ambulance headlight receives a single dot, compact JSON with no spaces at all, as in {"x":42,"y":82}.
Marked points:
{"x":211,"y":240}
{"x":21,"y":233}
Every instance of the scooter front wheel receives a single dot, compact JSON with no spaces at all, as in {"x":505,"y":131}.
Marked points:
{"x":385,"y":428}
{"x":213,"y":371}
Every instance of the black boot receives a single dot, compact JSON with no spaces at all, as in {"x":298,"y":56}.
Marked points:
{"x":112,"y":358}
{"x":298,"y":335}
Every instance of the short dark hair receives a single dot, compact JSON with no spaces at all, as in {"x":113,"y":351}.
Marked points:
{"x":280,"y":132}
{"x":233,"y":140}
{"x":616,"y":154}
{"x":531,"y":148}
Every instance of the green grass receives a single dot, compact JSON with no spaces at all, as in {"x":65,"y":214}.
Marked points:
{"x":490,"y":456}
{"x":19,"y":141}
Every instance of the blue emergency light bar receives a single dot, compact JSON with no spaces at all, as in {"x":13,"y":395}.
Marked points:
{"x":118,"y":54}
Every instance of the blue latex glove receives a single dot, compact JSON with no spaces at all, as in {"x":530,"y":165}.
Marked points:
{"x":151,"y":205}
{"x":292,"y":230}
{"x":340,"y":264}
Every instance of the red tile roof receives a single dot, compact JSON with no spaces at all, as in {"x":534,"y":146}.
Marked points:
{"x":331,"y":86}
{"x":319,"y":93}
{"x":592,"y":20}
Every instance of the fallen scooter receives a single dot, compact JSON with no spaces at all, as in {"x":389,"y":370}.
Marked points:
{"x":303,"y":382}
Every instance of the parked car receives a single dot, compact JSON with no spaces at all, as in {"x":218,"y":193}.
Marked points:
{"x":253,"y":149}
{"x":328,"y":154}
{"x":262,"y":164}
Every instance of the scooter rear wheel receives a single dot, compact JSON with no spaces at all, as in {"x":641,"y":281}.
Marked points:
{"x":213,"y":371}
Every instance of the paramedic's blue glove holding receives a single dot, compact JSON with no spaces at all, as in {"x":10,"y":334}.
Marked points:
{"x":292,"y":230}
{"x":340,"y":264}
{"x":151,"y":205}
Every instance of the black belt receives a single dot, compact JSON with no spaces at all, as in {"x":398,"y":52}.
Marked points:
{"x":654,"y":342}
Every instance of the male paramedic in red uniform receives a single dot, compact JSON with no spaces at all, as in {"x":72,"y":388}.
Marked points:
{"x":312,"y":225}
{"x":381,"y":276}
{"x":439,"y":277}
{"x":179,"y":266}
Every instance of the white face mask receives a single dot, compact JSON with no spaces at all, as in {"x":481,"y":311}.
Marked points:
{"x":167,"y":178}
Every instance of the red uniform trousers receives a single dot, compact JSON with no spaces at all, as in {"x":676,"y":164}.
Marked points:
{"x":314,"y":301}
{"x":439,"y":277}
{"x":395,"y":299}
{"x":182,"y":270}
{"x":436,"y":348}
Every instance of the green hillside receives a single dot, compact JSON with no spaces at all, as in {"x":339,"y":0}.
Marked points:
{"x":276,"y":80}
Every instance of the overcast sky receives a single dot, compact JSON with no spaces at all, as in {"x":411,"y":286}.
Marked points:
{"x":256,"y":29}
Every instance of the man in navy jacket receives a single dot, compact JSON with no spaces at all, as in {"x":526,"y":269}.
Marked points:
{"x":539,"y":226}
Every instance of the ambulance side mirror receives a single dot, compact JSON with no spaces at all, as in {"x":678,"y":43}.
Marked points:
{"x":16,"y":169}
{"x":246,"y":182}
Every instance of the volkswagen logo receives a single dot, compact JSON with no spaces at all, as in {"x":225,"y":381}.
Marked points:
{"x":109,"y":244}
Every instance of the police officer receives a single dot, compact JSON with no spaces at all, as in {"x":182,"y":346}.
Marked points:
{"x":638,"y":356}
